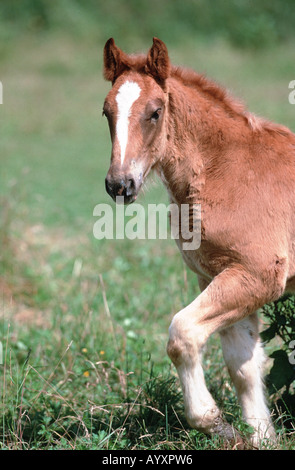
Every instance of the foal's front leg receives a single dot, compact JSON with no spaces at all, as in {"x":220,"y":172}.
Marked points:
{"x":229,"y":298}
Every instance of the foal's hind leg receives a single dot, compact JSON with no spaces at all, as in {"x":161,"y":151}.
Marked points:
{"x":229,"y":298}
{"x":244,"y":357}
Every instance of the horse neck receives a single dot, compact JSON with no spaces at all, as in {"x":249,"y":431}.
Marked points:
{"x":199,"y":128}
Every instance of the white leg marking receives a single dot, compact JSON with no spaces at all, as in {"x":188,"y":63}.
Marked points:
{"x":244,"y":356}
{"x":128,"y":93}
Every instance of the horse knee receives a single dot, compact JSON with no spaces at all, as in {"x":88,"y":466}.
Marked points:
{"x":178,"y":344}
{"x":174,"y":351}
{"x":186,"y":340}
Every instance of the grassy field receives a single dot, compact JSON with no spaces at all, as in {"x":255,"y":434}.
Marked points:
{"x":84,"y":322}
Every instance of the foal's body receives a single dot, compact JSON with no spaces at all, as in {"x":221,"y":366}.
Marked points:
{"x":208,"y":150}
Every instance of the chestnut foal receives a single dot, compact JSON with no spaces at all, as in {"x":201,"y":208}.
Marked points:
{"x":208,"y":150}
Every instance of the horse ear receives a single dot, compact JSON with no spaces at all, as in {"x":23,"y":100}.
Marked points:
{"x":113,"y":61}
{"x":158,"y":62}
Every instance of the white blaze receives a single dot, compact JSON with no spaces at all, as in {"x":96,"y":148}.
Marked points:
{"x":126,"y":96}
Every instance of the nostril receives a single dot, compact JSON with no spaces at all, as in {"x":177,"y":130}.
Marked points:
{"x":130,"y":187}
{"x":132,"y":183}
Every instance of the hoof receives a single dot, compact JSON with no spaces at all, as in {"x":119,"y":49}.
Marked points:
{"x":232,"y":438}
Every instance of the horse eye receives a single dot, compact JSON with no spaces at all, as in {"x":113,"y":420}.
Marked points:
{"x":155,"y":116}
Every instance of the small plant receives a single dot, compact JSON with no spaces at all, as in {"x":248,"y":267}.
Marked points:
{"x":281,"y":324}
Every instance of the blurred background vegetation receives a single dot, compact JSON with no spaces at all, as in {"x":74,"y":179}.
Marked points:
{"x":84,"y":322}
{"x":245,"y":23}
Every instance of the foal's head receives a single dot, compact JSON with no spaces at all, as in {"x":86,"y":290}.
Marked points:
{"x":136,"y":110}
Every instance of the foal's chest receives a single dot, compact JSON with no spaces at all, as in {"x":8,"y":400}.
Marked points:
{"x":195,"y":262}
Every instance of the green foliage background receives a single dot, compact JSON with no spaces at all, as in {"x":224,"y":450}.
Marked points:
{"x":246,"y":23}
{"x":84,"y":324}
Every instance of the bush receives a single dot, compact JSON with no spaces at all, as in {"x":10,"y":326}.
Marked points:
{"x":281,"y":323}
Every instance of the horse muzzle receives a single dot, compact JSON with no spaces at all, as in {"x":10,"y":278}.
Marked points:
{"x":124,"y":186}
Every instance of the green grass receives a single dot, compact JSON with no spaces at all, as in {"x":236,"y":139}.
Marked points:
{"x":85,"y":322}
